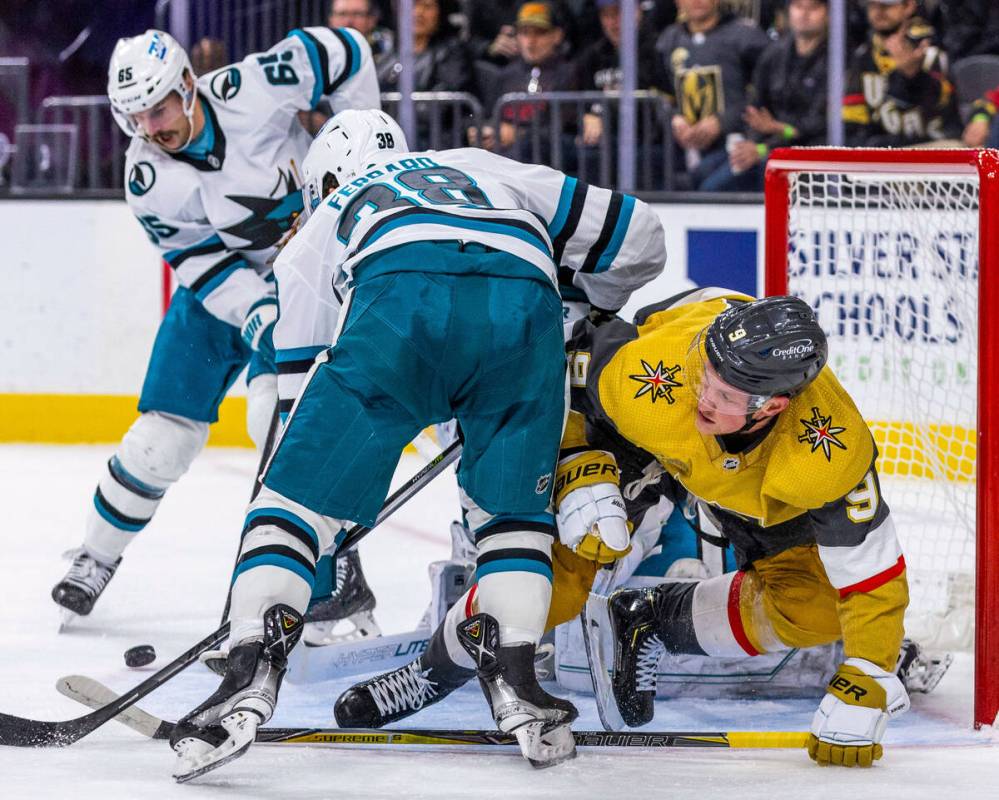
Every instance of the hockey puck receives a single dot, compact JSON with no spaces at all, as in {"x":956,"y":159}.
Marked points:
{"x":140,"y":655}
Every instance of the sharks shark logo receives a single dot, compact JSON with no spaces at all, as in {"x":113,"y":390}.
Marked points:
{"x":225,"y":85}
{"x":141,"y":178}
{"x":270,"y":217}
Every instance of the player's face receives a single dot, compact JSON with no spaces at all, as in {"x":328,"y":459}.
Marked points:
{"x":721,"y":408}
{"x":165,"y":123}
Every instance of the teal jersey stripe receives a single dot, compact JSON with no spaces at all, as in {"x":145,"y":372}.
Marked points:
{"x":218,"y":280}
{"x":480,"y":225}
{"x":513,"y":565}
{"x":562,"y":211}
{"x":299,"y":353}
{"x":543,"y":519}
{"x":294,"y":519}
{"x":317,"y":69}
{"x":213,"y":244}
{"x":114,"y":522}
{"x":275,"y":560}
{"x":617,"y":238}
{"x":355,"y":52}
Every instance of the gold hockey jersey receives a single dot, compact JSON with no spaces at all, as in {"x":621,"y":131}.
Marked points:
{"x":809,"y":481}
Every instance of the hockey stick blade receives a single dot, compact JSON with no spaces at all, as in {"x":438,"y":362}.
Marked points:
{"x":434,"y":736}
{"x":22,"y":732}
{"x":94,"y":694}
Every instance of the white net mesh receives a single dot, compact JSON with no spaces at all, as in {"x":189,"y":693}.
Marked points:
{"x":890,"y":262}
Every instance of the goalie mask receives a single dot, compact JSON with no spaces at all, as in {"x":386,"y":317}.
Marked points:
{"x":144,"y":70}
{"x":758,"y":350}
{"x":344,"y":148}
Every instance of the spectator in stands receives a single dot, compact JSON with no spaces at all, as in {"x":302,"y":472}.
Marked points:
{"x":208,"y":55}
{"x":492,"y":30}
{"x":492,"y":27}
{"x":970,"y":27}
{"x":599,"y":64}
{"x":897,"y":91}
{"x":706,"y":62}
{"x":789,"y":105}
{"x":982,"y":129}
{"x":363,"y":16}
{"x":442,"y":63}
{"x":542,"y":66}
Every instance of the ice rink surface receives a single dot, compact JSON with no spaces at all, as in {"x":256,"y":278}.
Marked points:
{"x":169,"y":592}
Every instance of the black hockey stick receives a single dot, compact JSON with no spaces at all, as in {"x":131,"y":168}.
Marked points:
{"x":92,"y":693}
{"x":22,"y":732}
{"x":440,"y":462}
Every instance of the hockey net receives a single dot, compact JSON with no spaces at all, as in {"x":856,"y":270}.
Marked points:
{"x":888,"y":246}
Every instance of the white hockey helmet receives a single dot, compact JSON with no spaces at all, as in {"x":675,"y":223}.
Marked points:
{"x":143,"y":70}
{"x":344,"y":148}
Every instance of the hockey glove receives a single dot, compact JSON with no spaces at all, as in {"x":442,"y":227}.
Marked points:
{"x":258,"y":327}
{"x":851,"y":719}
{"x":590,"y":512}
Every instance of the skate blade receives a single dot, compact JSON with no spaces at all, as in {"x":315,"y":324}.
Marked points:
{"x":596,"y":628}
{"x":545,"y":746}
{"x":66,"y":619}
{"x":242,"y":729}
{"x":321,"y":634}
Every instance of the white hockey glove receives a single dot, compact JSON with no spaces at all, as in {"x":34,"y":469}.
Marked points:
{"x":258,"y":327}
{"x":851,"y":719}
{"x":590,"y":512}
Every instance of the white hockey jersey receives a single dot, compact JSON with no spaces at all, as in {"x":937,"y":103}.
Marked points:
{"x":583,"y":239}
{"x":217,"y":209}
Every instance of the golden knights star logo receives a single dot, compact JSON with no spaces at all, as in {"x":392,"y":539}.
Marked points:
{"x":820,"y":432}
{"x":657,"y":381}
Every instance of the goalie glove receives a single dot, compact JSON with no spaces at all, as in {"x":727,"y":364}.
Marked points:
{"x":590,"y":513}
{"x":851,"y":719}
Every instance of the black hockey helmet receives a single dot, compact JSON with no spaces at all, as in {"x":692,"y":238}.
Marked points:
{"x":767,"y":347}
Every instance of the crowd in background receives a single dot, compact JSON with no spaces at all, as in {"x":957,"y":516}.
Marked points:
{"x":742,"y":76}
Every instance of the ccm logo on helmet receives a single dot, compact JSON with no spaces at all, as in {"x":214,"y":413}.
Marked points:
{"x":802,"y":347}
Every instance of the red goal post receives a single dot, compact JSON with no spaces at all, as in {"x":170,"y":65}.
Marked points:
{"x":854,"y":230}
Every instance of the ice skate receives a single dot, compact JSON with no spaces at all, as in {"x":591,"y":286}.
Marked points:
{"x":222,"y":728}
{"x":397,"y":694}
{"x":351,"y":604}
{"x":918,"y":670}
{"x":539,"y":721}
{"x":87,"y":578}
{"x":626,"y":692}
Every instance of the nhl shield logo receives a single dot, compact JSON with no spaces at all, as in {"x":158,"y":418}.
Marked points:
{"x":543,"y":483}
{"x":730,"y":463}
{"x":226,"y":84}
{"x":141,"y":178}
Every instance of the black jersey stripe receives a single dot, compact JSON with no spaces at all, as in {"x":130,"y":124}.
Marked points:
{"x":348,"y":66}
{"x":391,"y":219}
{"x":278,"y":550}
{"x":288,"y":527}
{"x":222,"y":266}
{"x":295,"y":367}
{"x":506,"y":553}
{"x":610,"y":223}
{"x":571,"y":220}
